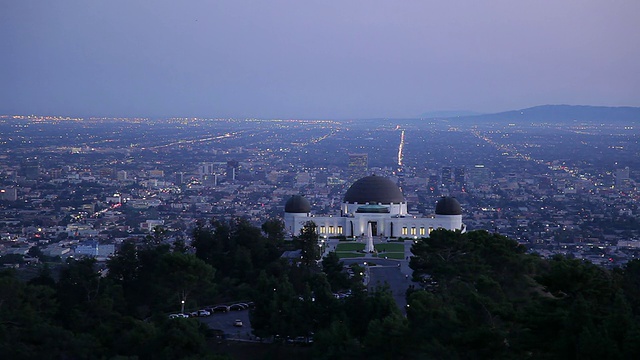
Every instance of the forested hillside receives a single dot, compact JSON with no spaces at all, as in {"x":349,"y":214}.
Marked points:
{"x":475,"y":296}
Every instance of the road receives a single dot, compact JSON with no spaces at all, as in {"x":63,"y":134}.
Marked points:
{"x":387,"y":271}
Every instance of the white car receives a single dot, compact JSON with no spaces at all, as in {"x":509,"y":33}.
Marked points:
{"x":238,"y":323}
{"x":203,"y":313}
{"x":176,"y":316}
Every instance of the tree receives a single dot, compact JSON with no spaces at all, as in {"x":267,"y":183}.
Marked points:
{"x":472,"y":310}
{"x":308,"y":240}
{"x":277,"y":310}
{"x":336,"y":342}
{"x":181,"y":275}
{"x":334,"y":269}
{"x":274,"y":228}
{"x":381,"y":333}
{"x":236,"y":249}
{"x":44,"y":277}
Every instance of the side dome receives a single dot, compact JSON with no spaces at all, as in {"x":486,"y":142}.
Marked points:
{"x":297,"y":204}
{"x":374,"y":189}
{"x":448,"y":206}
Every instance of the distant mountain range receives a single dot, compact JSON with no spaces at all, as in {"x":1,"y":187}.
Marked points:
{"x":448,"y":114}
{"x":556,"y":113}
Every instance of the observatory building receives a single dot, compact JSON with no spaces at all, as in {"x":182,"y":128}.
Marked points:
{"x":377,"y":203}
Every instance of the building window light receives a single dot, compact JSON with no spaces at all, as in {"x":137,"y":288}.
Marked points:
{"x":331,"y":230}
{"x":404,"y":230}
{"x":413,"y":231}
{"x":422,"y":231}
{"x":323,"y":229}
{"x":339,"y":229}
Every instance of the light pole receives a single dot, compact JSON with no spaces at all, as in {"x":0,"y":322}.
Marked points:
{"x":182,"y":307}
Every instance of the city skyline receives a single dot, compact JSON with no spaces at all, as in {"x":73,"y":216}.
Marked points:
{"x":286,"y":59}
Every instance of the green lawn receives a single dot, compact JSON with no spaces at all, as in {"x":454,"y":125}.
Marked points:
{"x":390,"y":247}
{"x":350,"y":247}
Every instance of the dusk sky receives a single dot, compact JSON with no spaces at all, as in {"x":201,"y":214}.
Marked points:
{"x":314,"y":59}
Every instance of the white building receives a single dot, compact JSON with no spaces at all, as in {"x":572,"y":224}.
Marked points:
{"x":122,"y":175}
{"x":378,"y":201}
{"x":95,"y":250}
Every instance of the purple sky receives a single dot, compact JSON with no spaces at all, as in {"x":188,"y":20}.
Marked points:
{"x":314,"y":59}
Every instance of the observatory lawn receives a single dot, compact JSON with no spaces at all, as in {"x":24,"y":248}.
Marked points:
{"x":394,"y":248}
{"x":355,"y":249}
{"x":350,"y":250}
{"x":353,"y":246}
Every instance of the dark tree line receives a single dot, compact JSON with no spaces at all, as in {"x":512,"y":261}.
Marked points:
{"x":477,"y":296}
{"x":489,"y":299}
{"x":238,"y":251}
{"x":86,"y":315}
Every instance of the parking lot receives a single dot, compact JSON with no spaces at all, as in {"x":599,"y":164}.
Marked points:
{"x":225,"y":321}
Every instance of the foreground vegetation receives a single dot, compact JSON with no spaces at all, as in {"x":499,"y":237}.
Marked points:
{"x":490,"y":299}
{"x":477,"y":296}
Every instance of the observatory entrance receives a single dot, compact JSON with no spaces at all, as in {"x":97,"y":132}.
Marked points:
{"x":374,"y":228}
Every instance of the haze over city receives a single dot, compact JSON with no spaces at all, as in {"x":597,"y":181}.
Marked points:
{"x":314,"y":59}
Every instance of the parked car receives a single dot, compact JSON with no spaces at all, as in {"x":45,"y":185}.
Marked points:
{"x":176,"y":316}
{"x":237,"y":323}
{"x":203,"y":312}
{"x":238,"y":306}
{"x":220,"y":308}
{"x":300,"y":340}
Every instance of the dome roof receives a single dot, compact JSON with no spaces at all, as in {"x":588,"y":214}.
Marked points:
{"x":448,"y":206}
{"x":297,"y":204}
{"x":374,"y":189}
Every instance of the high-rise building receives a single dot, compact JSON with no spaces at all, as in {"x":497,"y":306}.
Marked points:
{"x":447,"y":176}
{"x":232,"y":169}
{"x":459,"y":177}
{"x":30,"y":168}
{"x":10,"y":194}
{"x":622,"y":177}
{"x":179,"y":178}
{"x":478,"y":175}
{"x":206,"y":169}
{"x":122,"y":175}
{"x":433,"y":183}
{"x":358,"y":165}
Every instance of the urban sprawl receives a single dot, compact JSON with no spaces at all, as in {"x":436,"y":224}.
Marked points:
{"x":81,"y":186}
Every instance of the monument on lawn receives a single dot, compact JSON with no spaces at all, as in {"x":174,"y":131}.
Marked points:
{"x":368,"y":247}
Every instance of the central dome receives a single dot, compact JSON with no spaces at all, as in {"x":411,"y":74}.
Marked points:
{"x":374,"y":189}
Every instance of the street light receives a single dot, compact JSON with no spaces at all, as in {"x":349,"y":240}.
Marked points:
{"x":182,"y":307}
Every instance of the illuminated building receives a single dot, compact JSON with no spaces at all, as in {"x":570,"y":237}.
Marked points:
{"x":358,"y":165}
{"x":377,"y":202}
